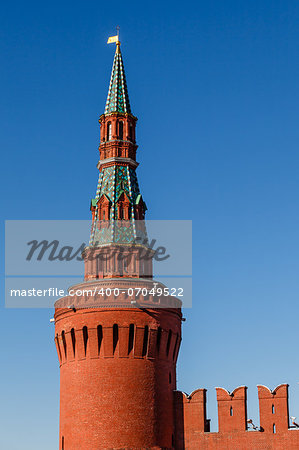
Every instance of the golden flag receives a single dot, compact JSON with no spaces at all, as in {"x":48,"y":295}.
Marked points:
{"x":112,"y":39}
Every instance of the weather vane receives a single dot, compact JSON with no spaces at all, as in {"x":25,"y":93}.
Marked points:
{"x":115,"y":39}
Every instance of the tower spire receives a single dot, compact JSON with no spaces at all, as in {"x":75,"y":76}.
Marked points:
{"x":118,"y":200}
{"x":118,"y":98}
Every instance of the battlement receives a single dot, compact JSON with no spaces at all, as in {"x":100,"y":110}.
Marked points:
{"x":235,"y":431}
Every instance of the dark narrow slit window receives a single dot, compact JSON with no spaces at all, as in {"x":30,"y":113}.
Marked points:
{"x":145,"y":341}
{"x":120,"y":267}
{"x":100,"y":337}
{"x":62,"y":443}
{"x":175,"y":347}
{"x":168,"y":342}
{"x":231,"y":412}
{"x":274,"y":428}
{"x":273,"y":409}
{"x":115,"y":337}
{"x":131,"y":132}
{"x":85,"y":339}
{"x":58,"y":347}
{"x":120,"y":130}
{"x":73,"y":340}
{"x":63,"y":342}
{"x":131,"y":338}
{"x":126,"y":263}
{"x":159,"y":333}
{"x":169,"y":377}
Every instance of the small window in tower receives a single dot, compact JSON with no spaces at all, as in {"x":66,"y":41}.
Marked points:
{"x":115,"y":336}
{"x":63,"y":342}
{"x":131,"y":338}
{"x":104,"y":215}
{"x":126,"y":263}
{"x":131,"y":132}
{"x":121,"y":213}
{"x":73,"y":340}
{"x":231,"y":412}
{"x":273,"y":409}
{"x":62,"y":443}
{"x":100,"y":337}
{"x":169,"y":377}
{"x":85,"y":339}
{"x":175,"y":347}
{"x":120,"y":266}
{"x":114,"y":268}
{"x":99,"y":265}
{"x":159,"y":333}
{"x":120,"y":130}
{"x":274,"y":428}
{"x":109,"y":131}
{"x":134,"y":263}
{"x":168,"y":342}
{"x":58,"y":347}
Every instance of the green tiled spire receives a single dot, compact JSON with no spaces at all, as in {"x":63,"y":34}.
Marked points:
{"x":113,"y":181}
{"x":118,"y":98}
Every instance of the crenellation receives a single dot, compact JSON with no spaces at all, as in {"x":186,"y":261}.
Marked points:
{"x":274,"y":408}
{"x":192,"y":429}
{"x":232,"y":409}
{"x":190,"y":417}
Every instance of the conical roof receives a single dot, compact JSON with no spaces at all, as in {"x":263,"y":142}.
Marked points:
{"x":118,"y":98}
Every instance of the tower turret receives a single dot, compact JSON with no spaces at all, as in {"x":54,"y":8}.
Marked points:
{"x":117,"y":340}
{"x":118,"y":123}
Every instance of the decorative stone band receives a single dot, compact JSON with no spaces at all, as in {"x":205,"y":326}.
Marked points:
{"x":117,"y":160}
{"x":104,"y":116}
{"x":119,"y":293}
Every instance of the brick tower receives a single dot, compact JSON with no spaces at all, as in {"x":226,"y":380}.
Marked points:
{"x":117,"y":348}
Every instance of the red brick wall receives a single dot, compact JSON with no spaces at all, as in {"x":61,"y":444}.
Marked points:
{"x":246,"y":440}
{"x":234,"y":431}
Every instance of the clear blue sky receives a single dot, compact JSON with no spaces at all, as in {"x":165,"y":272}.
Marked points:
{"x":215,"y":87}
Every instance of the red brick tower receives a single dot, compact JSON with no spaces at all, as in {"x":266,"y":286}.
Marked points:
{"x":117,"y":348}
